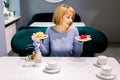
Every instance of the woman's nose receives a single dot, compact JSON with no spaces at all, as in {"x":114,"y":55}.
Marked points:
{"x":70,"y":20}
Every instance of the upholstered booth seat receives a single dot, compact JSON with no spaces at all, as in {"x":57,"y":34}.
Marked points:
{"x":21,"y":41}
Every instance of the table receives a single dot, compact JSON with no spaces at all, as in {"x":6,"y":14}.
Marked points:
{"x":48,"y":24}
{"x":71,"y":69}
{"x":11,"y":20}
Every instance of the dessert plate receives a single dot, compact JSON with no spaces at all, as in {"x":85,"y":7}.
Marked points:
{"x":51,"y":71}
{"x":45,"y":36}
{"x":37,"y":39}
{"x":111,"y":77}
{"x":83,"y":40}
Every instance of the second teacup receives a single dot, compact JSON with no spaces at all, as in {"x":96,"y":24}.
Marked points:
{"x":102,"y":60}
{"x":51,"y":64}
{"x":106,"y":70}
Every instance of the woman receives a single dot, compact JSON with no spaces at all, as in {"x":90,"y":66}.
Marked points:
{"x":60,"y":41}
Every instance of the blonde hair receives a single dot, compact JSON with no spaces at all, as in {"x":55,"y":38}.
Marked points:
{"x":60,"y":12}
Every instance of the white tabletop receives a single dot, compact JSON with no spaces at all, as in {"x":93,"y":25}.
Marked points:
{"x":12,"y":19}
{"x":71,"y":69}
{"x":48,"y":24}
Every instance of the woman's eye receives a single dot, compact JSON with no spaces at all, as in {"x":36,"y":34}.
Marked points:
{"x":68,"y":17}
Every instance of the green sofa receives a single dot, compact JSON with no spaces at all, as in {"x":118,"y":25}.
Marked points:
{"x":21,"y":42}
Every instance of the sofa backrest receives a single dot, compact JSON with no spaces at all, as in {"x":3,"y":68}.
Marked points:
{"x":47,"y":17}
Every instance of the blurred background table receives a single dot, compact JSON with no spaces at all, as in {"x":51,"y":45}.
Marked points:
{"x":48,"y":24}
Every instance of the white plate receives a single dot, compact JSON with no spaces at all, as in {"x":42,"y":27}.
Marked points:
{"x":111,"y":77}
{"x":38,"y":39}
{"x":51,"y":71}
{"x":45,"y":36}
{"x":83,"y":40}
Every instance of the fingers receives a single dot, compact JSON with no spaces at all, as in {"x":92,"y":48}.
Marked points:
{"x":34,"y":38}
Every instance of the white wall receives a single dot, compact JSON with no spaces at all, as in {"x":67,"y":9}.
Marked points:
{"x":3,"y":49}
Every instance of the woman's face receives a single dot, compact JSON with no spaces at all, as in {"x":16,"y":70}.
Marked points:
{"x":67,"y":19}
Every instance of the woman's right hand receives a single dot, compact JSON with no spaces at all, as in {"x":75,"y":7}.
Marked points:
{"x":34,"y":38}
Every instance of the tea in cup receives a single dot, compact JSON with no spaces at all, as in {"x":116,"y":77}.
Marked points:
{"x":106,"y":70}
{"x":51,"y":65}
{"x":102,"y":60}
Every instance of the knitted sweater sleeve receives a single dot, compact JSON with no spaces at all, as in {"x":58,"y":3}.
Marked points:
{"x":77,"y":46}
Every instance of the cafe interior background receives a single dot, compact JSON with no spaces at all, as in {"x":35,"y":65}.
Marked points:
{"x":101,"y":14}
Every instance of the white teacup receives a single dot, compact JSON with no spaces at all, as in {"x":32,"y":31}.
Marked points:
{"x":102,"y":60}
{"x":51,"y":64}
{"x":106,"y":70}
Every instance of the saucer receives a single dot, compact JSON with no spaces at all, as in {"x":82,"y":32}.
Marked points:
{"x":51,"y":71}
{"x":97,"y":64}
{"x":111,"y":77}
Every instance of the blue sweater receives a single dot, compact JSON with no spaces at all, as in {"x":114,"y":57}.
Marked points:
{"x":61,"y":43}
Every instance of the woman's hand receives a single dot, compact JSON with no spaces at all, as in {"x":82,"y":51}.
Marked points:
{"x":34,"y":38}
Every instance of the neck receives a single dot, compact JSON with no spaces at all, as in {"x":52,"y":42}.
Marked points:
{"x":62,"y":28}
